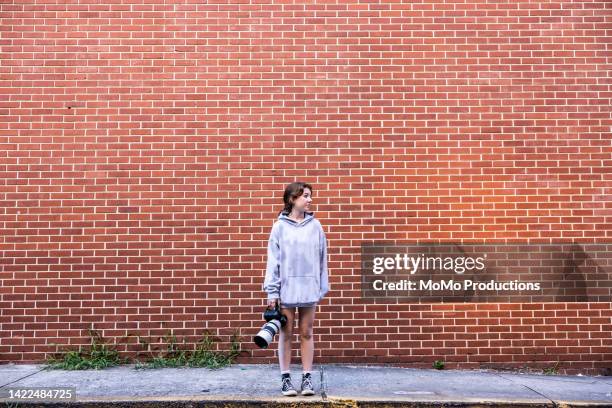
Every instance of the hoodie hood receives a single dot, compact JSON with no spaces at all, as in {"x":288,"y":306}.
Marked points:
{"x":308,"y":216}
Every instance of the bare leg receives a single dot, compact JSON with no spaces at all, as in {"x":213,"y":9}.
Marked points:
{"x":306,"y":340}
{"x":284,"y":339}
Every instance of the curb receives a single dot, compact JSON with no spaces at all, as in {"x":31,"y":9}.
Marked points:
{"x":329,"y":402}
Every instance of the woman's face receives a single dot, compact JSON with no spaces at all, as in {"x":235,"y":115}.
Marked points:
{"x":302,"y":203}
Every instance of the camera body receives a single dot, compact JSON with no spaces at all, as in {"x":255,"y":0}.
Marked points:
{"x":274,"y":321}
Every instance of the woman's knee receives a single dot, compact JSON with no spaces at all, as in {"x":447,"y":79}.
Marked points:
{"x":285,"y":338}
{"x":306,"y":334}
{"x":306,"y":331}
{"x":306,"y":323}
{"x":286,"y":331}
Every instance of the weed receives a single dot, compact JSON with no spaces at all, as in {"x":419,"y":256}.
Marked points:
{"x":99,"y":356}
{"x":202,"y":356}
{"x":438,"y":364}
{"x":552,"y":370}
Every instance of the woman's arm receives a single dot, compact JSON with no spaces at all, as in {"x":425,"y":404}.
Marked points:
{"x":323,"y":260}
{"x":272,"y":280}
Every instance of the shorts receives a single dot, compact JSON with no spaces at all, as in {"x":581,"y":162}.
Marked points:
{"x":311,"y":304}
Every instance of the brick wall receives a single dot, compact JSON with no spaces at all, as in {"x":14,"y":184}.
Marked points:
{"x":145,"y":148}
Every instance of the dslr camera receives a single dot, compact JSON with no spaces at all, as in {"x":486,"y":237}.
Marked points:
{"x":274,"y":321}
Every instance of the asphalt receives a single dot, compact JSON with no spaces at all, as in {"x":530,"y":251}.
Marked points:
{"x":244,"y":385}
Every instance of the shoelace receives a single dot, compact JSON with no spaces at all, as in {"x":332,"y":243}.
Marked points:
{"x":287,"y":385}
{"x":306,"y":382}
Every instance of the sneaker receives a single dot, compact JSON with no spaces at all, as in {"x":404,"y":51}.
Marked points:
{"x":287,"y":387}
{"x":307,"y":388}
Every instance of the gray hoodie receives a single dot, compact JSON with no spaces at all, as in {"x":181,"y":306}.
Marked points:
{"x":297,"y":261}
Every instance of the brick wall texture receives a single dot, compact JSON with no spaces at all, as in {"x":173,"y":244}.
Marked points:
{"x":146,"y":146}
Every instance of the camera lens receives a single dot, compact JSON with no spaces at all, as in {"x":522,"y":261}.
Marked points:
{"x":267,"y":333}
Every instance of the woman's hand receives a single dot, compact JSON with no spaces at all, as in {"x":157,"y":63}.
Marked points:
{"x":272,"y":303}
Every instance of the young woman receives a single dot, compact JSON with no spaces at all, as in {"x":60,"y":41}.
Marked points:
{"x":296,"y":277}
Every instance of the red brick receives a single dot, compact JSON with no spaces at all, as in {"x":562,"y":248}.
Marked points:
{"x":141,"y":177}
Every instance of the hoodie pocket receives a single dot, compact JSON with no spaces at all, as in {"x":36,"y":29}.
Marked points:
{"x":301,"y":270}
{"x":300,"y":289}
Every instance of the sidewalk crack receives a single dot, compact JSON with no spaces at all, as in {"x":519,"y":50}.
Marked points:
{"x":19,"y":379}
{"x":554,"y":404}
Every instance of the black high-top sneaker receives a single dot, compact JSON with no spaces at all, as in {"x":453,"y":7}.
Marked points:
{"x":307,"y":388}
{"x":287,"y":387}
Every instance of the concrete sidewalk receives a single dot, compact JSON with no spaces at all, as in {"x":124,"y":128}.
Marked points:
{"x":335,"y":385}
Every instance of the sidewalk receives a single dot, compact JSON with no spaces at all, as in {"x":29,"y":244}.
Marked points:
{"x":335,"y":385}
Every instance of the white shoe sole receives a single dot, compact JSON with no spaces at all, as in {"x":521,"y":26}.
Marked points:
{"x":292,"y":393}
{"x":308,"y":392}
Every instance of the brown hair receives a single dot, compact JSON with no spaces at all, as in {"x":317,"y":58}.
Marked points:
{"x":293,"y":191}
